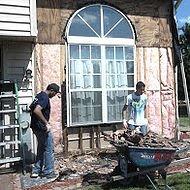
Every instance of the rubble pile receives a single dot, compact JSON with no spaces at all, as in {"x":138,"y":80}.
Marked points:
{"x":151,"y":139}
{"x":81,"y":165}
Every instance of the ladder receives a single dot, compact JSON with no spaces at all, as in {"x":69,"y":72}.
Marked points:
{"x":11,"y":149}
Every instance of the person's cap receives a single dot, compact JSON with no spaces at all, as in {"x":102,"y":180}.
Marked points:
{"x":54,"y":87}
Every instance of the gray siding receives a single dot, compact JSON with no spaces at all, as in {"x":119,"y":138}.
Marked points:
{"x":18,"y":18}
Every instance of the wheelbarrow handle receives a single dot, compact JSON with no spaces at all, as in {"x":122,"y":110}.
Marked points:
{"x":182,"y":150}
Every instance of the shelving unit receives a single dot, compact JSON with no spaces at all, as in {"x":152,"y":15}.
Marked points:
{"x":10,"y":131}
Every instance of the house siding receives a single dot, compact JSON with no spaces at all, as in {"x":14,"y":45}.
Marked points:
{"x":17,"y":57}
{"x":17,"y":18}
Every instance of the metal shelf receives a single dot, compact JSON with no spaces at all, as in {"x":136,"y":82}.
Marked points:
{"x":10,"y":150}
{"x":8,"y":111}
{"x":9,"y":143}
{"x":7,"y":160}
{"x":9,"y":126}
{"x":7,"y":96}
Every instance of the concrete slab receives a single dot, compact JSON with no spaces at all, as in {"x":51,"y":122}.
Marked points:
{"x":10,"y":181}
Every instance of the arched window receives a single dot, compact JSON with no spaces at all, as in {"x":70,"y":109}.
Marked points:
{"x":100,"y":67}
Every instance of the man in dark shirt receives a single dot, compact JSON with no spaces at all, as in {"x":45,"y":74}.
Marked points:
{"x":40,"y":114}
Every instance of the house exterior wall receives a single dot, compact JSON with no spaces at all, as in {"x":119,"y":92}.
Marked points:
{"x":49,"y":68}
{"x":152,"y":22}
{"x":18,"y":18}
{"x":16,"y":58}
{"x":155,"y":67}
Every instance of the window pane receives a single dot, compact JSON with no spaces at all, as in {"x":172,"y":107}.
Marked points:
{"x":119,"y":52}
{"x":121,"y":81}
{"x":97,"y":81}
{"x":76,"y":99}
{"x":130,"y":66}
{"x":76,"y":82}
{"x":86,"y":107}
{"x":122,"y":30}
{"x":92,"y":16}
{"x":79,"y":28}
{"x":87,"y":99}
{"x":87,"y":81}
{"x":97,"y":113}
{"x":72,"y":66}
{"x":110,"y":83}
{"x":116,"y":100}
{"x":95,"y":52}
{"x":110,"y":18}
{"x":109,"y":52}
{"x":110,"y":67}
{"x":129,"y":53}
{"x":72,"y":82}
{"x":130,"y":80}
{"x":85,"y":52}
{"x":86,"y":66}
{"x":75,"y":115}
{"x":96,"y":66}
{"x":121,"y":67}
{"x":74,"y":51}
{"x":78,"y":67}
{"x":88,"y":23}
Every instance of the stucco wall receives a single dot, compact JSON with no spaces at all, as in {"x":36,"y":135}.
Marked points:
{"x":48,"y":68}
{"x":155,"y":67}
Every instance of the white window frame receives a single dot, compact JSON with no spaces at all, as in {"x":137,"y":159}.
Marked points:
{"x":102,"y":41}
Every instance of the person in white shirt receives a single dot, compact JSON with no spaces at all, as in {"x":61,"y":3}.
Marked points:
{"x":134,"y":110}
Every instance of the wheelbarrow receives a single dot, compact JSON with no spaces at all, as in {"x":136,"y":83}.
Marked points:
{"x":143,"y":161}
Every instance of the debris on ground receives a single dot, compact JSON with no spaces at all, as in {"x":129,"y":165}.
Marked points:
{"x":151,"y":139}
{"x":79,"y":170}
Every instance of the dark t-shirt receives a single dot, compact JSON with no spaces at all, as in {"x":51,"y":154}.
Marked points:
{"x":41,"y":99}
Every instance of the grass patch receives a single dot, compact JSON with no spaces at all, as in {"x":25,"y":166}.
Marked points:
{"x":184,"y":121}
{"x":178,"y":181}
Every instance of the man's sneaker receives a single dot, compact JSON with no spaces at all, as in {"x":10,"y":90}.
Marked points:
{"x":51,"y":176}
{"x":34,"y":175}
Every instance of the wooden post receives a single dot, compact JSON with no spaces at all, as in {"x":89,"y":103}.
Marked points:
{"x":65,"y":140}
{"x":92,"y":137}
{"x":64,"y":119}
{"x":98,"y":145}
{"x":80,"y":140}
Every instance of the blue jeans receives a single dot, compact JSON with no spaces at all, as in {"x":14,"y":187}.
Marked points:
{"x":45,"y":153}
{"x":143,"y":128}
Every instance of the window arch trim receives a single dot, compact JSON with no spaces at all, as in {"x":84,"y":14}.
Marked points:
{"x":68,"y":37}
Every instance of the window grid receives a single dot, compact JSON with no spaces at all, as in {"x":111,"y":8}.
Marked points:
{"x":83,"y":99}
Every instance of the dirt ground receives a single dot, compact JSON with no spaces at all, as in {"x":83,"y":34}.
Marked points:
{"x":78,"y":172}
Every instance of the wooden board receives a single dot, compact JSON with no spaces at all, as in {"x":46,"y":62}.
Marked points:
{"x":151,"y":20}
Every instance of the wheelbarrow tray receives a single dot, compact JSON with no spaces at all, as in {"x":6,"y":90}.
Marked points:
{"x":145,"y":157}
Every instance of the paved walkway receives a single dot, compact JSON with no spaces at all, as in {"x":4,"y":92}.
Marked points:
{"x":10,"y":181}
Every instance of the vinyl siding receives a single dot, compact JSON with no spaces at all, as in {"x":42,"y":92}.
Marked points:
{"x":18,"y":18}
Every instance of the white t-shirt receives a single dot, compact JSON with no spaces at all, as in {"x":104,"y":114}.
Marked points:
{"x":136,"y":106}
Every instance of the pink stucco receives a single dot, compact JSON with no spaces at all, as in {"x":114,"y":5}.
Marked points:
{"x":161,"y":91}
{"x":167,"y":93}
{"x":158,"y":69}
{"x":155,"y":68}
{"x":48,"y":70}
